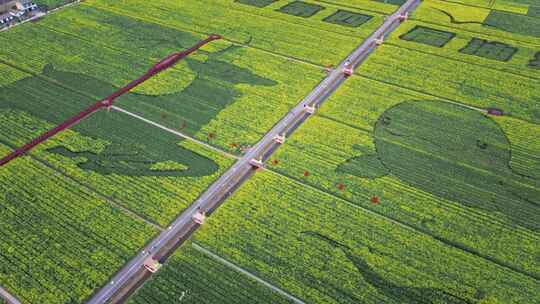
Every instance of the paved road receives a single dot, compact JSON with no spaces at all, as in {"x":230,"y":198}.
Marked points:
{"x":8,"y":297}
{"x":236,"y":174}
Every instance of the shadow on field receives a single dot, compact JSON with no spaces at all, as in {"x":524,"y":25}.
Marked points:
{"x":135,"y":148}
{"x":394,"y":292}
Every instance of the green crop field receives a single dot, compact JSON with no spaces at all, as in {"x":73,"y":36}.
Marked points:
{"x":417,"y":181}
{"x":228,"y":95}
{"x":323,"y":249}
{"x":192,"y":276}
{"x":59,"y":241}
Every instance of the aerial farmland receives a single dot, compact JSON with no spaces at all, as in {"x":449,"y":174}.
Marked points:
{"x":270,"y":151}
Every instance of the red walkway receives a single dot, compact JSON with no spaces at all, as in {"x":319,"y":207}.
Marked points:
{"x":109,"y":101}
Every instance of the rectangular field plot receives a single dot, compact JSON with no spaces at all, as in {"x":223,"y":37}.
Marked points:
{"x":535,"y":62}
{"x":322,"y":249}
{"x":489,"y":49}
{"x":257,"y":3}
{"x":59,"y":241}
{"x":192,"y":276}
{"x":347,"y":18}
{"x":435,"y":166}
{"x":428,"y":36}
{"x":534,"y":11}
{"x":301,"y":9}
{"x":395,"y":2}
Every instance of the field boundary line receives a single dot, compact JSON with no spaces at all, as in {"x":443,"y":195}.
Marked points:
{"x":245,"y":272}
{"x":6,"y":295}
{"x":405,"y":225}
{"x":172,"y":131}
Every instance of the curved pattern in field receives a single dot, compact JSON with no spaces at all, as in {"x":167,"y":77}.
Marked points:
{"x":453,"y":152}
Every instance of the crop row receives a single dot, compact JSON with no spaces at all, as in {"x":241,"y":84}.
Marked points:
{"x":191,"y":276}
{"x":325,"y":250}
{"x":59,"y":241}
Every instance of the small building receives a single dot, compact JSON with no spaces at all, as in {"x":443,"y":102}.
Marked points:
{"x":5,"y":19}
{"x":25,"y":5}
{"x":17,"y":6}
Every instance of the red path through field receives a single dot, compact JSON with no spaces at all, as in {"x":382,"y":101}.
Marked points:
{"x":166,"y":63}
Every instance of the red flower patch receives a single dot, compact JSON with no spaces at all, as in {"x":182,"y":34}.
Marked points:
{"x":341,"y":187}
{"x":306,"y":173}
{"x":375,"y":200}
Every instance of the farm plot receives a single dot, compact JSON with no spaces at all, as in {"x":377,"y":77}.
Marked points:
{"x":439,"y":168}
{"x":191,"y":276}
{"x":215,"y":96}
{"x":59,"y":241}
{"x":325,"y":250}
{"x":268,"y":28}
{"x":157,"y":175}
